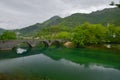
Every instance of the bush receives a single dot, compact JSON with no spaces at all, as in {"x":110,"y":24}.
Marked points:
{"x":8,"y":35}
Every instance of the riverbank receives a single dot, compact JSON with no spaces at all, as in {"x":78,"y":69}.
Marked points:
{"x":109,"y":47}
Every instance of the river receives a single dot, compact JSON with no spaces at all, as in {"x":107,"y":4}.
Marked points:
{"x":62,"y":64}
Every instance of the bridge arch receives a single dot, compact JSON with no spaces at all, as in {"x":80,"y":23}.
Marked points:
{"x":42,"y":44}
{"x":26,"y":46}
{"x":55,"y":44}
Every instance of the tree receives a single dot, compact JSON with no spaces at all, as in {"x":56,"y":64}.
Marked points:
{"x":113,"y":34}
{"x":54,"y":32}
{"x":113,"y":4}
{"x":63,"y":35}
{"x":8,"y":35}
{"x":89,"y":34}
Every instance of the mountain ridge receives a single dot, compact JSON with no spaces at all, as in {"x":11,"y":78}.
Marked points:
{"x":36,"y":27}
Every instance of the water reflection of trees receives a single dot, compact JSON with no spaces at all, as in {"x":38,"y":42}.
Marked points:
{"x":85,"y":56}
{"x":80,"y":56}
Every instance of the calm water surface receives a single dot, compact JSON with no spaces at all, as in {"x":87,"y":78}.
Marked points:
{"x":63,"y":64}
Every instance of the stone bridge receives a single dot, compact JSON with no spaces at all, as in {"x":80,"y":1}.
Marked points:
{"x":10,"y":44}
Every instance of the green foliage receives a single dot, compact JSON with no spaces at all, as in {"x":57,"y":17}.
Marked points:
{"x":63,"y":35}
{"x":8,"y":35}
{"x":82,"y":35}
{"x":113,"y":33}
{"x":95,"y":34}
{"x":54,"y":32}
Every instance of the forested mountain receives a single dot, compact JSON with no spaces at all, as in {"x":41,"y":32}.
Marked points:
{"x":111,"y":16}
{"x":106,"y":16}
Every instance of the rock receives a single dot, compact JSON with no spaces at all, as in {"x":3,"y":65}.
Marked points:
{"x":108,"y":46}
{"x":69,"y":44}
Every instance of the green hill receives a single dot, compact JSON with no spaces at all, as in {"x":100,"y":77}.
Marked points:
{"x":106,"y":16}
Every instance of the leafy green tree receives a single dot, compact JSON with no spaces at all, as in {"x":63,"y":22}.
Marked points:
{"x":89,"y":34}
{"x":63,"y":35}
{"x":79,"y":36}
{"x":113,"y":34}
{"x":8,"y":35}
{"x":53,"y":32}
{"x":113,"y":4}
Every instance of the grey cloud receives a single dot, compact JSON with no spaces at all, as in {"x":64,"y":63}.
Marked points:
{"x":21,"y":13}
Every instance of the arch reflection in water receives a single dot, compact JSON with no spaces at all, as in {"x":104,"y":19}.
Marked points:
{"x":55,"y":44}
{"x":21,"y":51}
{"x":22,"y":48}
{"x":42,"y":44}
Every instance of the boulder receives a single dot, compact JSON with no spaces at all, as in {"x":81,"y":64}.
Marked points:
{"x":69,"y":44}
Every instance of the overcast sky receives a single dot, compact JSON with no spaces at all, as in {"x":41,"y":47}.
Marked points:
{"x":21,"y":13}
